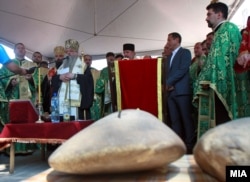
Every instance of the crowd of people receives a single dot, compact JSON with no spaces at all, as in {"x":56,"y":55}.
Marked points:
{"x":217,"y":76}
{"x":208,"y":90}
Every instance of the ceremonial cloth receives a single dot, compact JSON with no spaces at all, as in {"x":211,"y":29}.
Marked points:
{"x":138,"y":84}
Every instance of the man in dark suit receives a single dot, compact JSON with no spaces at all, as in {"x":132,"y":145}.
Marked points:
{"x":179,"y":91}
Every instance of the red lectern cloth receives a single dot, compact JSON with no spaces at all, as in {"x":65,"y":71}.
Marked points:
{"x":138,"y":85}
{"x":40,"y":132}
{"x":22,"y":110}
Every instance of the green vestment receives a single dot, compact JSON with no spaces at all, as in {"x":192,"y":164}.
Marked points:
{"x":195,"y":69}
{"x":102,"y":102}
{"x":218,"y":73}
{"x":28,"y":90}
{"x":3,"y":106}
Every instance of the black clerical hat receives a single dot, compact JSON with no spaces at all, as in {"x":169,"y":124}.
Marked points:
{"x":128,"y":46}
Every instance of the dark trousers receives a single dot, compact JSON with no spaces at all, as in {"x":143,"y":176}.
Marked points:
{"x":84,"y":114}
{"x":180,"y":113}
{"x":221,"y":114}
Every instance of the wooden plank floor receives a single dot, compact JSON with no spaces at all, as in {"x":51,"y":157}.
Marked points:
{"x":25,"y":166}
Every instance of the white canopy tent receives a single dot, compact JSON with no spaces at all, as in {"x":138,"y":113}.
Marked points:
{"x":101,"y":26}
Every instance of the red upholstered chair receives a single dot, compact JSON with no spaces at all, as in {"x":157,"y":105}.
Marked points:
{"x":22,"y":111}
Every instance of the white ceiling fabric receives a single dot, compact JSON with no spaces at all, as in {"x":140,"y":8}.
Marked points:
{"x":101,"y":26}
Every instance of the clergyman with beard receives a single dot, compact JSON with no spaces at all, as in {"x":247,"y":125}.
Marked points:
{"x":75,"y":83}
{"x":47,"y":89}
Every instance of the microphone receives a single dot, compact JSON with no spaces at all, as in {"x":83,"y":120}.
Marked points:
{"x":31,"y":70}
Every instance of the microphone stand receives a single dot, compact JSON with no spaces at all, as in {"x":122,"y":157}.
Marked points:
{"x":40,"y":112}
{"x":39,"y":105}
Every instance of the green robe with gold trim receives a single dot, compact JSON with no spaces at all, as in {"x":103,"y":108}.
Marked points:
{"x":194,"y":71}
{"x":3,"y":106}
{"x":195,"y":68}
{"x":101,"y":106}
{"x":218,"y":73}
{"x":24,"y":90}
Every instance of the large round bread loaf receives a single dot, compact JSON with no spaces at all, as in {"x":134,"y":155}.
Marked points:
{"x":225,"y":145}
{"x":130,"y":141}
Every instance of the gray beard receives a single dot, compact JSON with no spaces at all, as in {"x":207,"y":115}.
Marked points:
{"x":70,"y":62}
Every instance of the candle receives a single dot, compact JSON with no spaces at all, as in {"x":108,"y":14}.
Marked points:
{"x":39,"y":85}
